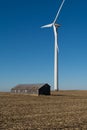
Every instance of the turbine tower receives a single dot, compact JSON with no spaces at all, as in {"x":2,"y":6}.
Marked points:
{"x":56,"y":49}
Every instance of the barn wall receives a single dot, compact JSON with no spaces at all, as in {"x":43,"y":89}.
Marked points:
{"x":45,"y":90}
{"x":24,"y":91}
{"x":32,"y":92}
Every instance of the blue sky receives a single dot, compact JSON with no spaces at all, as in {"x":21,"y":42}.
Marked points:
{"x":27,"y":51}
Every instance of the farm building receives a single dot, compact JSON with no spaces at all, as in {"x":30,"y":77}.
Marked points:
{"x":39,"y":89}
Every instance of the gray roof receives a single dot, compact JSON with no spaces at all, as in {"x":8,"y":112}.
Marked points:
{"x":28,"y":86}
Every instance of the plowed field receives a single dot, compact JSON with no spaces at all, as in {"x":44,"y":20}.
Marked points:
{"x":65,"y":110}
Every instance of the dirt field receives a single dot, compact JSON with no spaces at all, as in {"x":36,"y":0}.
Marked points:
{"x":65,"y":110}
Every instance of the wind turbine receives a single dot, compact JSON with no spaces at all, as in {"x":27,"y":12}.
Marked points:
{"x":56,"y":49}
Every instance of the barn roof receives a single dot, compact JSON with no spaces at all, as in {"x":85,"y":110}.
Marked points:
{"x":28,"y":86}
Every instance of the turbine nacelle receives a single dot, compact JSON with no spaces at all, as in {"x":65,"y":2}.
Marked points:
{"x":57,"y":25}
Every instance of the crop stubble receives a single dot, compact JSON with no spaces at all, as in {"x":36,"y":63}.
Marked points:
{"x":65,"y":110}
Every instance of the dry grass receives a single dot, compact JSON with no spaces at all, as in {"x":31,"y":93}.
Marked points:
{"x":66,"y":110}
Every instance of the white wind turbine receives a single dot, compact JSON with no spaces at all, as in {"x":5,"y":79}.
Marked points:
{"x":56,"y":49}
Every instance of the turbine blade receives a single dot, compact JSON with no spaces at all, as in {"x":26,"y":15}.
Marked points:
{"x":58,"y":48}
{"x":47,"y":26}
{"x":59,"y":11}
{"x":56,"y":38}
